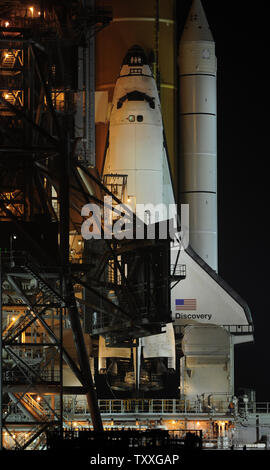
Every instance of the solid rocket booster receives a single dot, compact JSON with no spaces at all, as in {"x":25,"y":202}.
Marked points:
{"x":198,"y":133}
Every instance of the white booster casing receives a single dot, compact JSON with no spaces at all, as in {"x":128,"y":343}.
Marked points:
{"x":198,"y":133}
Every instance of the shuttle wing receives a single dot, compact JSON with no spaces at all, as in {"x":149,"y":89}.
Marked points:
{"x":203,"y":297}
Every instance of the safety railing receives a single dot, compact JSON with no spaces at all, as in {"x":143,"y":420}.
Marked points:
{"x":152,"y":406}
{"x":239,"y":329}
{"x":178,"y":270}
{"x":78,"y":406}
{"x":254,"y":407}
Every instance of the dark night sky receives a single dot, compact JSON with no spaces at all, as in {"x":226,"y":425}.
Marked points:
{"x":240,"y":31}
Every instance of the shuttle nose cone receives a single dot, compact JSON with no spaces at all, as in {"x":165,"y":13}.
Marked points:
{"x":135,"y":56}
{"x":197,"y":27}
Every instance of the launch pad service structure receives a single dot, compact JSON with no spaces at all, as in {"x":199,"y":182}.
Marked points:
{"x":142,"y":330}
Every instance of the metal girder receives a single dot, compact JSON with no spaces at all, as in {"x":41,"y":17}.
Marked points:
{"x":31,"y":376}
{"x":44,"y":256}
{"x":111,"y":304}
{"x":83,"y":358}
{"x":37,"y":86}
{"x":20,"y":114}
{"x":46,"y":90}
{"x":38,"y":316}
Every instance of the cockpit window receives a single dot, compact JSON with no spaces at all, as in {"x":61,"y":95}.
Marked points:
{"x":136,"y":60}
{"x":136,"y":71}
{"x":136,"y":96}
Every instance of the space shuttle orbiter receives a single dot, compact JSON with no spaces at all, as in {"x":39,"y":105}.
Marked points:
{"x":136,"y":136}
{"x":137,"y":150}
{"x":208,"y":314}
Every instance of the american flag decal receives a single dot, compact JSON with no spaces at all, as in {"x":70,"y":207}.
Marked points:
{"x":185,"y":304}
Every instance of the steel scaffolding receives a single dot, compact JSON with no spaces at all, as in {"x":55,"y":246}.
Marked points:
{"x":51,"y":282}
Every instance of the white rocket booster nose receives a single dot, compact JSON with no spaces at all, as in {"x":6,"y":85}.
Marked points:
{"x":198,"y":133}
{"x":197,"y":27}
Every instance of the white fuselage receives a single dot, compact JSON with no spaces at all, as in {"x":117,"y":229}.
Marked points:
{"x":136,"y":149}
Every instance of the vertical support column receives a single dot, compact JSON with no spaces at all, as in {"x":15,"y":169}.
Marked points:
{"x":231,"y":366}
{"x":84,"y":361}
{"x":64,"y":174}
{"x":90,"y":91}
{"x":137,"y":365}
{"x":70,"y":301}
{"x":1,"y":357}
{"x":79,"y":116}
{"x":61,"y":370}
{"x":53,"y":405}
